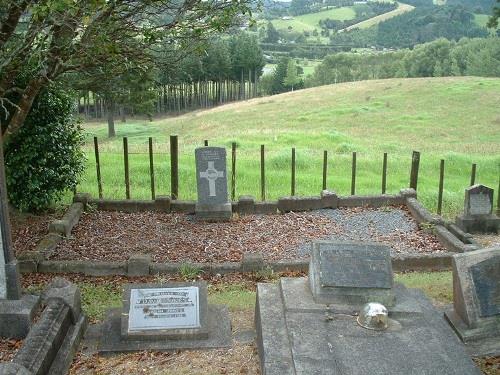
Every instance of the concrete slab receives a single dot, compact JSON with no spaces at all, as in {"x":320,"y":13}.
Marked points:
{"x":219,"y":328}
{"x":304,"y":342}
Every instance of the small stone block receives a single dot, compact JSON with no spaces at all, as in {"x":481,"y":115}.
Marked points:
{"x":246,"y":205}
{"x":16,"y":316}
{"x":408,"y":193}
{"x":83,"y":198}
{"x":162,"y":203}
{"x":65,"y":290}
{"x":329,"y":199}
{"x":60,"y":227}
{"x":138,"y":265}
{"x":12,"y":368}
{"x":252,"y":262}
{"x":214,"y":212}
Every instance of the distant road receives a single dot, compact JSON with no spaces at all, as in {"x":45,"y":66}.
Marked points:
{"x":402,"y":8}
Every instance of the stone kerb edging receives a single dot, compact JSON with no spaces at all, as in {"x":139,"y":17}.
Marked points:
{"x":52,"y":342}
{"x":250,"y":263}
{"x":450,"y":236}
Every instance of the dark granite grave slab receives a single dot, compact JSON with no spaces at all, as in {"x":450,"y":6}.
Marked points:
{"x":219,"y":335}
{"x":351,"y":272}
{"x":475,"y":316}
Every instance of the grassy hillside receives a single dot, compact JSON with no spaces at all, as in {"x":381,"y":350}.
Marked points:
{"x":457,"y":119}
{"x":309,"y":22}
{"x":402,"y":8}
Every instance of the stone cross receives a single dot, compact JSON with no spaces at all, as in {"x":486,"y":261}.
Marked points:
{"x":211,"y":174}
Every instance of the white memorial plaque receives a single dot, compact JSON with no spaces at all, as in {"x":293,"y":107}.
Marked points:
{"x":164,"y":308}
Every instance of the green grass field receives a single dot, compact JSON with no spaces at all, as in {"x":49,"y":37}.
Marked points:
{"x":402,"y":8}
{"x":456,"y":119}
{"x":309,"y":22}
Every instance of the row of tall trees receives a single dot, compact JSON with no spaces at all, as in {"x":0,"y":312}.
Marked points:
{"x":215,"y":72}
{"x":442,"y":57}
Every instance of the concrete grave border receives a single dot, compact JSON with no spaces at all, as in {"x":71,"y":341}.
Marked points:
{"x":53,"y":340}
{"x":449,"y":234}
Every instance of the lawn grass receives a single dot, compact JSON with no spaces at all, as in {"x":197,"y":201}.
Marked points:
{"x":97,"y":298}
{"x":402,"y":8}
{"x":436,"y":285}
{"x":309,"y":22}
{"x":455,"y":119}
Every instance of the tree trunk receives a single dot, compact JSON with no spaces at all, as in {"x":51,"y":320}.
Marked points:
{"x":110,"y":108}
{"x":24,"y":107}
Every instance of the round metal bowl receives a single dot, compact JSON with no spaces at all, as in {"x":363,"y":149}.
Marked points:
{"x":373,"y":316}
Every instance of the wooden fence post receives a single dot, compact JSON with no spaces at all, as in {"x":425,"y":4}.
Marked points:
{"x":473,"y":174}
{"x":415,"y":162}
{"x":441,"y":185}
{"x":205,"y":142}
{"x":384,"y":174}
{"x":233,"y":170}
{"x":152,"y":169}
{"x":262,"y":175}
{"x":293,"y":172}
{"x":98,"y":167}
{"x":174,"y":167}
{"x":125,"y":160}
{"x":325,"y":168}
{"x":353,"y":175}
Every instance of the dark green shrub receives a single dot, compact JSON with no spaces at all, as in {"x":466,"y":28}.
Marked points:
{"x":44,"y":158}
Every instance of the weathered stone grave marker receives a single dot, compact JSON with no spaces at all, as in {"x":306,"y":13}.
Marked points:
{"x":310,"y":326}
{"x":355,"y":273}
{"x":165,"y":317}
{"x":211,"y":178}
{"x":476,"y":300}
{"x":478,"y":211}
{"x":16,"y":311}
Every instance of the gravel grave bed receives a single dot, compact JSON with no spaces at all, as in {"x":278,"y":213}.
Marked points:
{"x":114,"y":236}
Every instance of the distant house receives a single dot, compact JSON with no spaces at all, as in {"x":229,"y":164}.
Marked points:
{"x":287,"y":18}
{"x":360,"y":2}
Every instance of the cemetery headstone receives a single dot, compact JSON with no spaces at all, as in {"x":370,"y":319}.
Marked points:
{"x":211,"y":179}
{"x":165,"y":317}
{"x":352,"y":272}
{"x":16,"y":311}
{"x":478,"y":211}
{"x":299,"y":333}
{"x":476,"y":300}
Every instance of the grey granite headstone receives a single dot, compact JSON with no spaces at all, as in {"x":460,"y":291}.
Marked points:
{"x":478,"y":200}
{"x":211,"y":181}
{"x":351,"y":272}
{"x":478,"y":214}
{"x":167,"y":316}
{"x":476,"y":299}
{"x":16,"y":311}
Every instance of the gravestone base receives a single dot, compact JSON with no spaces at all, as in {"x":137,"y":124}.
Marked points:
{"x":483,"y":340}
{"x":218,"y":335}
{"x":479,"y":224}
{"x":16,"y":316}
{"x":214,"y":212}
{"x":298,"y":336}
